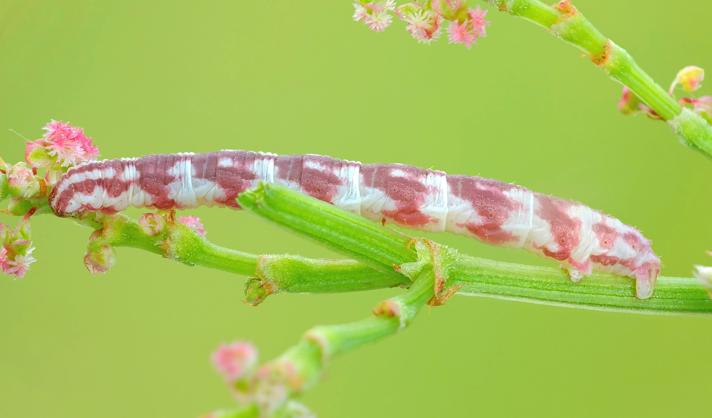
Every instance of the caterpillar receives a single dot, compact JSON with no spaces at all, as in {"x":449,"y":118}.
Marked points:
{"x":580,"y":238}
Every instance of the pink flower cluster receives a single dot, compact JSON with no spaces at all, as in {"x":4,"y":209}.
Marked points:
{"x":62,"y":144}
{"x":467,"y":31}
{"x":16,"y":251}
{"x":375,"y":14}
{"x":424,"y":19}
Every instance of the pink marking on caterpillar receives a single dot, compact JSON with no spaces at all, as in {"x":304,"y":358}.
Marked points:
{"x":497,"y":213}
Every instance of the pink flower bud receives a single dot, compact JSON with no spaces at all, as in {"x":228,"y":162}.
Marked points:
{"x":467,"y":31}
{"x":152,"y":223}
{"x":629,"y":102}
{"x":235,"y":361}
{"x":22,"y":181}
{"x":99,"y":258}
{"x":193,"y":222}
{"x":689,"y":78}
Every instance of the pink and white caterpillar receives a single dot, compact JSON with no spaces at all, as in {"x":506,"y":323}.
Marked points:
{"x":497,"y":213}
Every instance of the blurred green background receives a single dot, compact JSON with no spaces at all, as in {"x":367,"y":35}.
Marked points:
{"x":301,"y":77}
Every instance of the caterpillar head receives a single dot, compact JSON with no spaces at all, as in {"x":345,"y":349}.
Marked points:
{"x":623,"y":250}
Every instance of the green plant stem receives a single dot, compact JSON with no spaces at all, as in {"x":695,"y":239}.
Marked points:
{"x":346,"y":232}
{"x":481,"y":277}
{"x":475,"y":276}
{"x":271,"y":273}
{"x":567,"y":23}
{"x":301,"y":366}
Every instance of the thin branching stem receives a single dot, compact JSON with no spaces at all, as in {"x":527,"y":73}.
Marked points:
{"x":475,"y":276}
{"x":384,"y":248}
{"x":566,"y":22}
{"x":271,"y":273}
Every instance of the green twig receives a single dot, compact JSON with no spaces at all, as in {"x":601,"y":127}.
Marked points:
{"x":351,"y":234}
{"x":473,"y":275}
{"x":551,"y":286}
{"x":270,"y":273}
{"x":301,"y":366}
{"x":567,"y":23}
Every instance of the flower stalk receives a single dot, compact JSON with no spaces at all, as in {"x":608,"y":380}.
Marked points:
{"x":689,"y":118}
{"x":272,"y":389}
{"x":567,"y":23}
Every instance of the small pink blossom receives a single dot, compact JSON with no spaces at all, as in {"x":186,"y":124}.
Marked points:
{"x":422,"y":24}
{"x":375,"y":14}
{"x":152,"y":223}
{"x":235,"y":361}
{"x":468,"y":31}
{"x":16,"y":250}
{"x":459,"y":33}
{"x":17,"y":264}
{"x":194,"y":223}
{"x":478,"y":21}
{"x":67,"y":143}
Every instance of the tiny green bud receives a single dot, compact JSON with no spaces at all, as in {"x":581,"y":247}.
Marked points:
{"x":257,"y":290}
